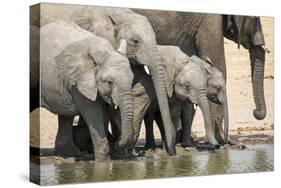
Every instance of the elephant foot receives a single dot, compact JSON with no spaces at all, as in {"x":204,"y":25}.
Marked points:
{"x":68,"y":150}
{"x":187,"y":143}
{"x":171,"y":150}
{"x":150,"y":145}
{"x":230,"y":142}
{"x":207,"y":146}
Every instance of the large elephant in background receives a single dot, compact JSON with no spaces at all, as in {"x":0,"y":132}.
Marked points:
{"x":247,"y":31}
{"x":115,"y":24}
{"x":78,"y":75}
{"x":34,"y":73}
{"x":203,"y":35}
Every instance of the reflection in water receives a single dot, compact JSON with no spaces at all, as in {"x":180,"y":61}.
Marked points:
{"x":255,"y":158}
{"x":218,"y":162}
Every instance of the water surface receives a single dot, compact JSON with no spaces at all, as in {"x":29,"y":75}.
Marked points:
{"x":255,"y":158}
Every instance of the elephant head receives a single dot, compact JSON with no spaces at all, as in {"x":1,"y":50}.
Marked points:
{"x":247,"y":31}
{"x":94,"y":68}
{"x":216,"y":89}
{"x":115,"y":24}
{"x":197,"y":81}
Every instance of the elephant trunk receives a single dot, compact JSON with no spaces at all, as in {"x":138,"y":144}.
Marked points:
{"x":225,"y":118}
{"x":204,"y":105}
{"x":126,"y":110}
{"x":257,"y":56}
{"x":158,"y":74}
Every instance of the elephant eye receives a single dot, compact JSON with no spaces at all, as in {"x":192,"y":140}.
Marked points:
{"x":134,"y":41}
{"x":187,"y":86}
{"x":110,"y":83}
{"x":217,"y":87}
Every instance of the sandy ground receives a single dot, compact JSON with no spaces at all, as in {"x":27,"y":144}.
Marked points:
{"x":240,"y":97}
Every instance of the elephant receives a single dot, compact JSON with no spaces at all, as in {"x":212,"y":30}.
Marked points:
{"x":115,"y":24}
{"x":182,"y":112}
{"x":203,"y":35}
{"x":247,"y":31}
{"x":189,"y":80}
{"x":78,"y":76}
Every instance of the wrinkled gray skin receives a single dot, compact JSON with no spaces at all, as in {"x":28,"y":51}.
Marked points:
{"x":34,"y":67}
{"x":114,"y":24}
{"x":188,"y":80}
{"x":202,"y":35}
{"x":78,"y":71}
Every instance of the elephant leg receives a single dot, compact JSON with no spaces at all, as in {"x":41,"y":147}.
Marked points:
{"x":217,"y":120}
{"x":187,"y":115}
{"x":64,"y":145}
{"x":141,"y":104}
{"x":149,"y":135}
{"x":81,"y":136}
{"x":93,"y":114}
{"x":115,"y":123}
{"x":159,"y":122}
{"x":209,"y":43}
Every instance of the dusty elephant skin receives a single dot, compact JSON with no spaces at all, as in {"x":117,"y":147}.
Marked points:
{"x":76,"y":79}
{"x":182,"y":89}
{"x":202,"y":35}
{"x":119,"y":23}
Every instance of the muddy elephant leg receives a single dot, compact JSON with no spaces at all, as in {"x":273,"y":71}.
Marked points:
{"x":187,"y":115}
{"x":141,"y":104}
{"x":92,"y":113}
{"x":64,"y":145}
{"x":149,"y":135}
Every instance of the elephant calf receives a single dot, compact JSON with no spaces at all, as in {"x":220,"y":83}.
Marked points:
{"x":78,"y":75}
{"x":188,"y":80}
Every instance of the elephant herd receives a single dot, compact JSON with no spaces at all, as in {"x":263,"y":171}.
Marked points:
{"x":117,"y":67}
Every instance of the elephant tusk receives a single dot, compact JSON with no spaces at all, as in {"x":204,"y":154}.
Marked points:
{"x":146,"y":70}
{"x":194,"y":106}
{"x":265,"y":49}
{"x":115,"y":107}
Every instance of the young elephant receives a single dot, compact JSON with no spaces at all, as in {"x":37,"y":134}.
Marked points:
{"x":78,"y":73}
{"x":183,"y":76}
{"x":191,"y":79}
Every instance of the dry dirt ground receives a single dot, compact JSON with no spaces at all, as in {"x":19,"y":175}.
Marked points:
{"x":243,"y":126}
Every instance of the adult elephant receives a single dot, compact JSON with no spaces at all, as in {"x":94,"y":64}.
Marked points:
{"x":78,"y":73}
{"x":202,"y":35}
{"x":247,"y":31}
{"x":115,"y":24}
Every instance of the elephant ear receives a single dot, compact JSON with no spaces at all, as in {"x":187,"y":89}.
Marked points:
{"x":238,"y":21}
{"x":205,"y":63}
{"x":258,"y":38}
{"x":76,"y":72}
{"x":170,"y":77}
{"x":116,"y":21}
